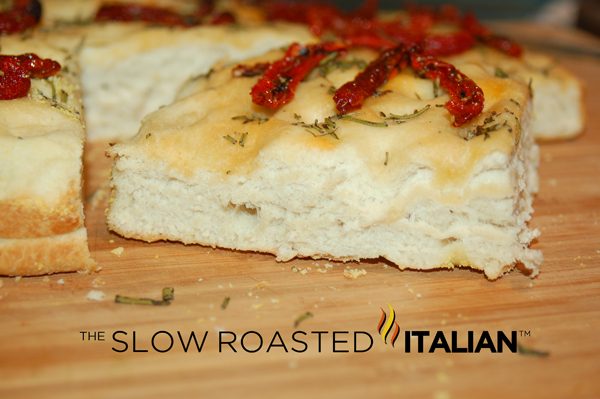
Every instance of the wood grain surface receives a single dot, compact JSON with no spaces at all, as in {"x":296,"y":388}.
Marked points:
{"x":42,"y":354}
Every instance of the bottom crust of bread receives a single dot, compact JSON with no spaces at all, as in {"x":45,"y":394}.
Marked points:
{"x":45,"y":255}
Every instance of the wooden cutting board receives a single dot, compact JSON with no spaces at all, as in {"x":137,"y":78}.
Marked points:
{"x":42,"y":353}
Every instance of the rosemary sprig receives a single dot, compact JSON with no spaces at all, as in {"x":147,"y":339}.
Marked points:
{"x":225,"y":302}
{"x":406,"y":117}
{"x":351,"y":118}
{"x":304,"y":316}
{"x":253,"y":117}
{"x":168,"y":294}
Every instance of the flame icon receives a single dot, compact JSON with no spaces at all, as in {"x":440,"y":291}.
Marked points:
{"x":384,"y":326}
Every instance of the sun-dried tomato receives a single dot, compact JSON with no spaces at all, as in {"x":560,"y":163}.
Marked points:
{"x":503,"y":44}
{"x":23,"y":15}
{"x":136,"y":12}
{"x":374,"y":42}
{"x":125,"y":12}
{"x":449,"y":44}
{"x":352,"y":95}
{"x":466,"y":98}
{"x":222,"y":18}
{"x":362,"y":28}
{"x":18,"y":70}
{"x":279,"y":82}
{"x":484,"y":35}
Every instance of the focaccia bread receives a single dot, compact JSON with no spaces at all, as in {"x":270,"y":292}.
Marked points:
{"x":41,"y":145}
{"x":215,"y":169}
{"x":130,"y":70}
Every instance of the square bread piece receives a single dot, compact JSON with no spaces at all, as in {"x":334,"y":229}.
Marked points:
{"x":41,"y":145}
{"x":214,"y":169}
{"x":131,"y":69}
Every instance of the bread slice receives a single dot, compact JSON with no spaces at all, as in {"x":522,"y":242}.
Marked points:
{"x":214,"y":169}
{"x":130,"y":70}
{"x":41,"y":144}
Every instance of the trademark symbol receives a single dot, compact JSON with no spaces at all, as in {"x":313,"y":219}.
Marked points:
{"x":524,"y":333}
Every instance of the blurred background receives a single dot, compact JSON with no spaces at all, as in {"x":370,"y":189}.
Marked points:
{"x":584,"y":14}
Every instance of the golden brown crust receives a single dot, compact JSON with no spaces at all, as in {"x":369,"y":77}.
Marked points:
{"x":32,"y":217}
{"x":44,"y":255}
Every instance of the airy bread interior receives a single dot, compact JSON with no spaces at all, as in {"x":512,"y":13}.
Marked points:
{"x":291,"y":194}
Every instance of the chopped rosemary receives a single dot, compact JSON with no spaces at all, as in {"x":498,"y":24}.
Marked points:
{"x":225,"y":302}
{"x":512,"y":100}
{"x":230,"y":139}
{"x":318,"y":129}
{"x":525,"y":351}
{"x":253,"y":117}
{"x":168,"y":294}
{"x":500,"y":73}
{"x":436,"y":88}
{"x":332,"y":62}
{"x":304,"y":316}
{"x":387,"y":158}
{"x":351,"y":118}
{"x":329,"y":126}
{"x":488,"y":125}
{"x":241,"y":141}
{"x":403,"y":118}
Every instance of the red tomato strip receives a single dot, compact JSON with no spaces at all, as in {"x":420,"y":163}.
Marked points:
{"x":18,"y":70}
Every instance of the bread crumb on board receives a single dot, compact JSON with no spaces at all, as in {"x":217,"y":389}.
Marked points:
{"x":353,"y":274}
{"x":95,"y":295}
{"x":60,"y":281}
{"x":98,"y":282}
{"x":118,"y":251}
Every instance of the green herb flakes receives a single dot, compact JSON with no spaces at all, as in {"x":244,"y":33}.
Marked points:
{"x":168,"y":295}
